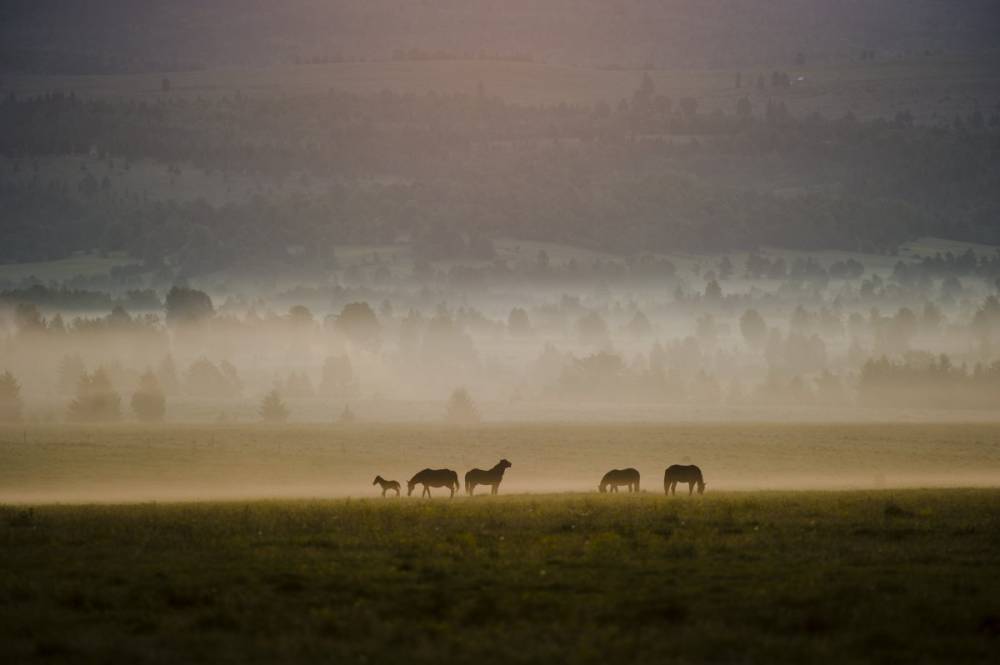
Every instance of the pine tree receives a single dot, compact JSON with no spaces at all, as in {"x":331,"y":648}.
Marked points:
{"x":148,"y":401}
{"x":10,"y":398}
{"x":461,"y":409}
{"x":71,"y":368}
{"x":272,"y":408}
{"x":96,"y":399}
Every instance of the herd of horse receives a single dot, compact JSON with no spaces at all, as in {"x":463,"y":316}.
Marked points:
{"x":612,"y":480}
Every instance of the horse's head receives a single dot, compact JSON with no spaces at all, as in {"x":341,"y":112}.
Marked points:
{"x":701,"y":487}
{"x":377,"y":479}
{"x":409,"y":488}
{"x":504,"y":464}
{"x":603,"y":487}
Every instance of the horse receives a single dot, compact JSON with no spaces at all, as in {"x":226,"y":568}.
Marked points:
{"x":679,"y":473}
{"x":434,"y":478}
{"x":481,"y":477}
{"x":614,"y":478}
{"x":386,"y":485}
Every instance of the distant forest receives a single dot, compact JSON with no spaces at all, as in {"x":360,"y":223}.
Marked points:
{"x":449,"y":173}
{"x":116,"y":36}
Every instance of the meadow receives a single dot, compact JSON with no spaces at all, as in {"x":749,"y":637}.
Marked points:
{"x":854,"y":576}
{"x":71,"y":463}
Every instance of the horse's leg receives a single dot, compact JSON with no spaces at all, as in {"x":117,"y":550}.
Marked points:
{"x":673,"y":488}
{"x":496,"y":489}
{"x":690,"y":488}
{"x":427,"y":491}
{"x":452,"y":488}
{"x":383,"y":492}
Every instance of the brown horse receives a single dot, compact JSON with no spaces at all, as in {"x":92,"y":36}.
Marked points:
{"x":386,"y":485}
{"x":679,"y":473}
{"x":434,"y":478}
{"x":615,"y":478}
{"x":492,"y":477}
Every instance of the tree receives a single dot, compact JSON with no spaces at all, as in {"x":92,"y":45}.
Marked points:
{"x":186,"y":305}
{"x":461,"y":410}
{"x":713,"y":292}
{"x":166,"y":374}
{"x":96,"y":399}
{"x":639,"y":326}
{"x":358,"y":323}
{"x":300,"y":317}
{"x":298,"y":386}
{"x":71,"y":368}
{"x":753,"y":328}
{"x":347,"y":415}
{"x":726,"y":268}
{"x":592,"y":328}
{"x":208,"y":381}
{"x":10,"y":398}
{"x":272,"y":408}
{"x":744,"y":109}
{"x":518,"y":323}
{"x":337,"y":377}
{"x":148,"y":401}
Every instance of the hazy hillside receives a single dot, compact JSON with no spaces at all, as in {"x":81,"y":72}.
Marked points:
{"x":114,"y":35}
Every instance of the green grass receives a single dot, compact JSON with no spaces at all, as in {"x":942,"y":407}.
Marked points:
{"x":902,"y":576}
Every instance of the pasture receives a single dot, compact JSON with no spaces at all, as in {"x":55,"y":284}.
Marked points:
{"x":47,"y":463}
{"x":845,"y":577}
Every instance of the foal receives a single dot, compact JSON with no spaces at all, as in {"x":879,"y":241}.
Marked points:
{"x":386,"y":485}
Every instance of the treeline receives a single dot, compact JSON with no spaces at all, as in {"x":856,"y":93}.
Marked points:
{"x":922,"y":380}
{"x":62,"y":298}
{"x":449,"y":172}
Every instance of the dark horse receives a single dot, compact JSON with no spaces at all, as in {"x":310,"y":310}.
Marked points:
{"x":679,"y":473}
{"x":481,"y":477}
{"x":614,"y":478}
{"x":434,"y":478}
{"x":386,"y":485}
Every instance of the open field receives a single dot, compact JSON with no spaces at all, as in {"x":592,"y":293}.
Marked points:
{"x":927,"y":86}
{"x":126,"y":463}
{"x":848,"y":577}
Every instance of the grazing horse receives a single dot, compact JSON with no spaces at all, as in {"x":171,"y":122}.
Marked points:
{"x":434,"y":478}
{"x":679,"y":473}
{"x":615,"y":478}
{"x":481,"y":477}
{"x":386,"y":485}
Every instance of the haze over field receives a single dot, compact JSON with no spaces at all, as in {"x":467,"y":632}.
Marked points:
{"x":502,"y":331}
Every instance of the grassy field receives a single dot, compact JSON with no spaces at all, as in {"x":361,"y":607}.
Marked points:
{"x":181,"y":462}
{"x":847,"y":577}
{"x":925,"y":85}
